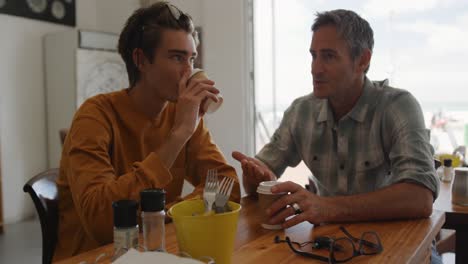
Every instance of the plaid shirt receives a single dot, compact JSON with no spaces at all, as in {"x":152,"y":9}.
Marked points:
{"x":381,"y":141}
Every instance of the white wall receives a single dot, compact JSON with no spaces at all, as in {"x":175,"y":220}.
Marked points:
{"x":112,"y":14}
{"x":22,"y":100}
{"x":86,"y":14}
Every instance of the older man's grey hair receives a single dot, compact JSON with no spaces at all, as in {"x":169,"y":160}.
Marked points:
{"x":355,"y":30}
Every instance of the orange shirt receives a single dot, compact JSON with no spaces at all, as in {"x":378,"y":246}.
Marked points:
{"x":108,"y":155}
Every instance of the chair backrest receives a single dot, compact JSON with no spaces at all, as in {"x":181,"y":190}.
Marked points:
{"x":43,"y":191}
{"x":63,"y":134}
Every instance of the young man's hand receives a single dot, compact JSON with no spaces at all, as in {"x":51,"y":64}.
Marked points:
{"x":253,"y":172}
{"x":191,"y":95}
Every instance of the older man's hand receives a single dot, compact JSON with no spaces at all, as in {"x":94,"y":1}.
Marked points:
{"x":312,"y":207}
{"x":253,"y":172}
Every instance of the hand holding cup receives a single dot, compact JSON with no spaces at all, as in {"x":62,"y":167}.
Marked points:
{"x":208,"y":105}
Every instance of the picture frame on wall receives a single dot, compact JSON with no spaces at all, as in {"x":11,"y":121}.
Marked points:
{"x":199,"y":60}
{"x":54,"y":11}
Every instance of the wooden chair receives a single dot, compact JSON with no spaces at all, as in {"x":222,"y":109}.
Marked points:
{"x":43,"y":191}
{"x":63,"y":134}
{"x":446,"y":241}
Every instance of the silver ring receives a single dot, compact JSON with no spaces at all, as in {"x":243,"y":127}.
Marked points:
{"x":297,"y":209}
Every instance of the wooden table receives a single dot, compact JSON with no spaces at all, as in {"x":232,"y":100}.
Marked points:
{"x":456,"y":217}
{"x":407,"y":241}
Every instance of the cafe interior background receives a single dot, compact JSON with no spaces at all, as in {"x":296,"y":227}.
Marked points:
{"x":257,"y":52}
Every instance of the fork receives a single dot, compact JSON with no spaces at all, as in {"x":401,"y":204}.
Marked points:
{"x":223,"y":193}
{"x":211,"y":186}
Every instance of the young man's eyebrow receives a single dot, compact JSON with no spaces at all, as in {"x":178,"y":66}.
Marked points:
{"x":182,"y":52}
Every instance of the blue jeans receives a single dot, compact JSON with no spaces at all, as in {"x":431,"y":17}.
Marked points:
{"x":435,"y":257}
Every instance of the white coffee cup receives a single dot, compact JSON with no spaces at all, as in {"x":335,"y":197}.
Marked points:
{"x":265,"y":199}
{"x":209,"y":106}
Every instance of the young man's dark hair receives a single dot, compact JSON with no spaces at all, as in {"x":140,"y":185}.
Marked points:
{"x":143,"y":30}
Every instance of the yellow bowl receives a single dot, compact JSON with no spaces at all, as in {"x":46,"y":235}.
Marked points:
{"x":201,"y":235}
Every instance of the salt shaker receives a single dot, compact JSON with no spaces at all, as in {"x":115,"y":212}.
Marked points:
{"x":448,"y":171}
{"x":152,"y":218}
{"x":125,"y":226}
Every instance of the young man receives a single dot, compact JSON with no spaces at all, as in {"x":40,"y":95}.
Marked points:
{"x":365,"y":142}
{"x":150,"y":135}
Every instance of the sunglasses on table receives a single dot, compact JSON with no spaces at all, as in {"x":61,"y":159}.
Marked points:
{"x":340,"y":249}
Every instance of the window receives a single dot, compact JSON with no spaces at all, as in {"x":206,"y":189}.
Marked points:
{"x":419,"y":46}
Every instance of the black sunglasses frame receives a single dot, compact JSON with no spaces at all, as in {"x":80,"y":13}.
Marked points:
{"x":362,"y":242}
{"x":322,"y":242}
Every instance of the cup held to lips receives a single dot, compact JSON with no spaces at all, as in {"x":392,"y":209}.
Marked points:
{"x":265,"y":199}
{"x":208,"y":106}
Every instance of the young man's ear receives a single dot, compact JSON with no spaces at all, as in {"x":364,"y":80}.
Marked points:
{"x":138,"y":58}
